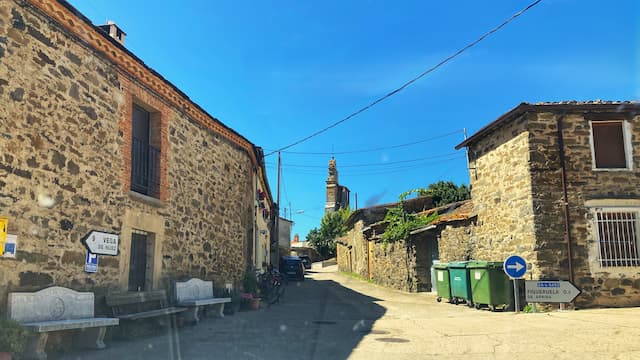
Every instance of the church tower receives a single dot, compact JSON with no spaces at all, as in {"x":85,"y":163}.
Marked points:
{"x":337,"y":196}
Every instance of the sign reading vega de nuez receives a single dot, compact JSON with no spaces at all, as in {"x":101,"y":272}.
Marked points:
{"x":101,"y":243}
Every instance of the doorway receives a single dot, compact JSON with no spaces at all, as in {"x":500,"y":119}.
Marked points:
{"x":138,"y":261}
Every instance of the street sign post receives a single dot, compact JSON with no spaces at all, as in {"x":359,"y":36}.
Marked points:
{"x":550,"y":291}
{"x":516,"y":267}
{"x":101,"y":243}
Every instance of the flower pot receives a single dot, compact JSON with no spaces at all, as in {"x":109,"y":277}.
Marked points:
{"x":254,"y":304}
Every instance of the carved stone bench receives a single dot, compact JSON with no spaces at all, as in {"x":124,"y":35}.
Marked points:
{"x":196,"y":294}
{"x":57,"y":309}
{"x":132,"y":306}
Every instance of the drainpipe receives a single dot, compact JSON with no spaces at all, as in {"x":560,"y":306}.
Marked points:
{"x":565,"y":200}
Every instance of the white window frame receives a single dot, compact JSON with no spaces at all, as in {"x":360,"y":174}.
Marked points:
{"x":619,"y":250}
{"x":628,"y":149}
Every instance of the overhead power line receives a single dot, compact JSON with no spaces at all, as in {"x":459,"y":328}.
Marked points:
{"x":406,"y":84}
{"x":375,"y":149}
{"x":372,"y":164}
{"x":377,"y":171}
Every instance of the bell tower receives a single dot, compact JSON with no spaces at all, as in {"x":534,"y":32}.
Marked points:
{"x":332,"y":187}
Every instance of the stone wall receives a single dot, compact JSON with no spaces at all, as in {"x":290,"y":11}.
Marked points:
{"x":456,"y":242}
{"x":501,"y":193}
{"x":602,"y":286}
{"x":64,"y":170}
{"x":352,"y":251}
{"x":394,"y":266}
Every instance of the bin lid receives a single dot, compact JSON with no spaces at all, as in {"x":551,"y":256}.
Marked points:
{"x":458,"y":264}
{"x":480,"y":264}
{"x":441,"y":266}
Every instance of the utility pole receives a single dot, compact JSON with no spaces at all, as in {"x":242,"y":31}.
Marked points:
{"x":278,"y":216}
{"x":356,"y":194}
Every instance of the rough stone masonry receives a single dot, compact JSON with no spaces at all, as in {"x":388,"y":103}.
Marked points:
{"x":65,"y":165}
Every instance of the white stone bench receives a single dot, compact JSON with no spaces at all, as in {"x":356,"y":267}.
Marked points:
{"x":58,"y":309}
{"x":196,"y":294}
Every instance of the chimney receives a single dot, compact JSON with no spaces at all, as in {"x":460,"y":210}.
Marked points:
{"x":114,"y":31}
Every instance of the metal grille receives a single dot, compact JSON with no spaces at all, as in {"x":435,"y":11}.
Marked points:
{"x":618,"y":238}
{"x":145,"y":168}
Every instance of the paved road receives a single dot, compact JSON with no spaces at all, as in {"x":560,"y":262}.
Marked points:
{"x":331,"y":316}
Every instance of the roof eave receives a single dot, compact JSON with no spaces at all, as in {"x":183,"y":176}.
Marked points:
{"x":524,"y":107}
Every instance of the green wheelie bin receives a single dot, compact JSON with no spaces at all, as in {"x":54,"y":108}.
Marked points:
{"x":459,"y":282}
{"x":490,"y":286}
{"x":442,"y":282}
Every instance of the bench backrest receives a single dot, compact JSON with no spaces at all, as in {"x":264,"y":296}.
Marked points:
{"x":134,"y":302}
{"x":194,"y":289}
{"x":54,"y":303}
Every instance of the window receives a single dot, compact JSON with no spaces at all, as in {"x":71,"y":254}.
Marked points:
{"x":609,"y":143}
{"x":145,"y":158}
{"x":617,"y":232}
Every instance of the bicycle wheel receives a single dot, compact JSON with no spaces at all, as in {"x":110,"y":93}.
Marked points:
{"x":281,"y":288}
{"x":272,"y":296}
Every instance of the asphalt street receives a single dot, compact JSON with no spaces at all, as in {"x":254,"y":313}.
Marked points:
{"x":333,"y":316}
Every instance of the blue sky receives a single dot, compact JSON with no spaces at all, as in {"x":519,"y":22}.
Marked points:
{"x":278,"y":71}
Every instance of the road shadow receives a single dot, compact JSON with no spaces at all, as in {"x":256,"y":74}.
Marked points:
{"x":316,"y":319}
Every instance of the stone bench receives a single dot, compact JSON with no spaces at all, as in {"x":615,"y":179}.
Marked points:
{"x":58,"y":309}
{"x":132,"y":306}
{"x":196,"y":294}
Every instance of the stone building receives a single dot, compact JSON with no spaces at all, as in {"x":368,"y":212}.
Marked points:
{"x":403,"y":265}
{"x":559,"y":184}
{"x":337,"y":195}
{"x":93,"y":139}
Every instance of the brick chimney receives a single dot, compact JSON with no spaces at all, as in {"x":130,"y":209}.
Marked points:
{"x":114,"y":31}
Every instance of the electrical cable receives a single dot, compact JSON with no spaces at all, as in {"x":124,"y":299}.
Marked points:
{"x":395,"y":169}
{"x":373,"y":149}
{"x":406,"y":84}
{"x":370,"y":164}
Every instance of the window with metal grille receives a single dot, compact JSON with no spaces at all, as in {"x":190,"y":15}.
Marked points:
{"x":618,"y":237}
{"x":608,"y":140}
{"x":145,"y":158}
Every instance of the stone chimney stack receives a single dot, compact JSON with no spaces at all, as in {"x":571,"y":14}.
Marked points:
{"x":114,"y":31}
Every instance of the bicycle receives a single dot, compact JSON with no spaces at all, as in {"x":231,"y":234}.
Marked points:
{"x":271,"y":286}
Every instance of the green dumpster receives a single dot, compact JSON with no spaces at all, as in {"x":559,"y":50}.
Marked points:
{"x":490,"y":286}
{"x":459,"y":282}
{"x":442,"y":282}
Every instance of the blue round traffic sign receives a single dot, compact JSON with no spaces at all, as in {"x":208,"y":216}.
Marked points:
{"x":515,"y":266}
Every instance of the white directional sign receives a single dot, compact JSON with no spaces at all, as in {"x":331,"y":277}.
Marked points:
{"x":550,"y":291}
{"x":102,"y":243}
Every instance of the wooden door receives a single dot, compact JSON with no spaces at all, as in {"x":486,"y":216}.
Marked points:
{"x":138,"y":262}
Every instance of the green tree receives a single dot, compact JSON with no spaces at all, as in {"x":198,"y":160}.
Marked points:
{"x":401,"y":223}
{"x":331,"y":227}
{"x":445,"y":192}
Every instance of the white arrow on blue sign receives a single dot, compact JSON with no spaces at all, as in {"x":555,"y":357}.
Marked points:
{"x":515,"y":266}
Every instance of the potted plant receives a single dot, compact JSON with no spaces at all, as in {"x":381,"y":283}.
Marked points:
{"x":234,"y":305}
{"x":13,"y":339}
{"x":250,"y":295}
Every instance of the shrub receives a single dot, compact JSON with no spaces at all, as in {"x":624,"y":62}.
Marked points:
{"x":13,"y":337}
